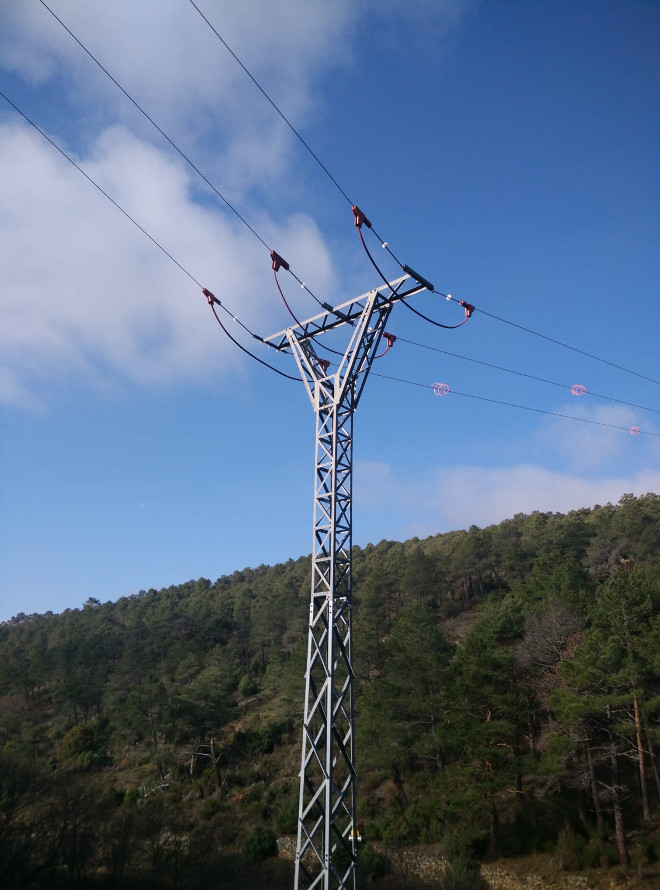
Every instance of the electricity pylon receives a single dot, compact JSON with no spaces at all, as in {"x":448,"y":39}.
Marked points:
{"x":326,"y":851}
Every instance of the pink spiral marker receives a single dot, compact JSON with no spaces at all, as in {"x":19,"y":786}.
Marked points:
{"x":440,"y":389}
{"x":634,"y":431}
{"x":578,"y":390}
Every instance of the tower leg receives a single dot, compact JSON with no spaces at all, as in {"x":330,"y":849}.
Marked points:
{"x":325,"y":855}
{"x":326,"y":851}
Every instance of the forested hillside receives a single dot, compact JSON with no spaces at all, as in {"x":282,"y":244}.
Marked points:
{"x":508,"y":703}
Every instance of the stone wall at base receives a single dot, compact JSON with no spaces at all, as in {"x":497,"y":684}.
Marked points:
{"x":286,"y":847}
{"x":429,"y":868}
{"x":501,"y":879}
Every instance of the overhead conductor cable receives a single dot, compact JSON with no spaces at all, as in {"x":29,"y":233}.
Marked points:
{"x":360,"y":219}
{"x":467,"y":306}
{"x":182,"y":154}
{"x":442,"y":389}
{"x":469,"y":309}
{"x":151,"y":238}
{"x":213,"y":301}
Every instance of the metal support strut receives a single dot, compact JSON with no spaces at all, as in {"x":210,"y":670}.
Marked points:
{"x":326,"y":850}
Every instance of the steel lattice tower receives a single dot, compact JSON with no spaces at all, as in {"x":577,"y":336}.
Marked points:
{"x":326,"y":852}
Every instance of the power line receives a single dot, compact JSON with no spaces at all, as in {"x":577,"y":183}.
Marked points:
{"x":151,"y":238}
{"x":437,"y":324}
{"x":185,"y":157}
{"x":470,"y":309}
{"x":286,"y":120}
{"x":361,"y":219}
{"x":568,"y":346}
{"x":634,"y":430}
{"x":213,"y":301}
{"x":265,"y":94}
{"x":154,"y":124}
{"x":477,"y":361}
{"x":102,"y":191}
{"x":341,"y":190}
{"x":325,"y":169}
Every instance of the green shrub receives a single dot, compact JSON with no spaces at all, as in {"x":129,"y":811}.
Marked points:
{"x":570,"y":849}
{"x":253,"y":741}
{"x":260,"y":844}
{"x":461,"y":874}
{"x":248,"y":686}
{"x":83,"y":746}
{"x":457,"y":844}
{"x":131,"y":795}
{"x":394,"y":834}
{"x":209,"y":808}
{"x":371,"y":863}
{"x":286,"y":818}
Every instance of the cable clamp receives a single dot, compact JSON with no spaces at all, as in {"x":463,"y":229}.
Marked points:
{"x":324,"y":364}
{"x":278,"y":262}
{"x":210,"y":298}
{"x":390,"y":338}
{"x":360,"y":217}
{"x":469,"y":308}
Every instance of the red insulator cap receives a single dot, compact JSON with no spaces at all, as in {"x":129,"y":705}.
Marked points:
{"x":360,"y":217}
{"x":278,"y":262}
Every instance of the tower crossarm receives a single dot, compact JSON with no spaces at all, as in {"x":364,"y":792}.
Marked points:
{"x":345,"y":313}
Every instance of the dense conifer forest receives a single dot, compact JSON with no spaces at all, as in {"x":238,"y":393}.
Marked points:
{"x":508,"y":705}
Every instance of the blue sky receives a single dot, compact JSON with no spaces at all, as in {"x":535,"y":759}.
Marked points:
{"x":506,"y":150}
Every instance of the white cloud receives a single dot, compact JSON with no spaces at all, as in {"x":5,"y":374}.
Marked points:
{"x":590,"y":444}
{"x":414,"y":20}
{"x":483,"y":496}
{"x":84,"y":290}
{"x":392,"y":506}
{"x":169,"y":60}
{"x":172,"y":64}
